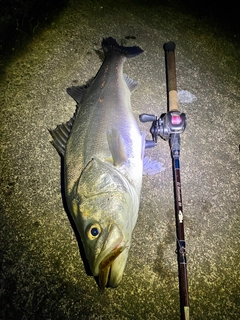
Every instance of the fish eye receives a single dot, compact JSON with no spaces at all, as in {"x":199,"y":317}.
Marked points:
{"x":93,"y":231}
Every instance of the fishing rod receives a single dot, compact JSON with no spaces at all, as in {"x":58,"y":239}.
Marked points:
{"x":169,"y":126}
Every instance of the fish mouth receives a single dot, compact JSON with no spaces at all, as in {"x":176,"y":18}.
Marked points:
{"x":106,"y":265}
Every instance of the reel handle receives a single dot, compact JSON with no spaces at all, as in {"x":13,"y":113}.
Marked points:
{"x":169,"y":49}
{"x":144,"y":117}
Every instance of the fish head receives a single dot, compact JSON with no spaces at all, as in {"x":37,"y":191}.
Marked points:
{"x":104,"y":208}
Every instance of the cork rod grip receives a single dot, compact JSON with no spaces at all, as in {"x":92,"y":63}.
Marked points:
{"x":169,"y":48}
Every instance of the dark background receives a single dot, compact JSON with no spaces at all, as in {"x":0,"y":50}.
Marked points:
{"x":20,"y":20}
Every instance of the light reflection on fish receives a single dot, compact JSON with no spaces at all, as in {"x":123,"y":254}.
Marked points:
{"x":103,"y":151}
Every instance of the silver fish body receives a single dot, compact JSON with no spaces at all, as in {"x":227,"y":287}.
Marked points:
{"x":103,"y":150}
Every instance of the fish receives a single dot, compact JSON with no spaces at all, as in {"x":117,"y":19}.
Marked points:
{"x":102,"y":150}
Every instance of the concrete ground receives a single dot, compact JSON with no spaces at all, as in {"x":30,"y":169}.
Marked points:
{"x":42,"y":273}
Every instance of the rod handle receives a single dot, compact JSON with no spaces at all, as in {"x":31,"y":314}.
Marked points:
{"x":169,"y":48}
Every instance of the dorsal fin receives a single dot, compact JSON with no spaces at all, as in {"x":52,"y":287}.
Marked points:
{"x":61,"y":133}
{"x":132,"y":85}
{"x":60,"y":136}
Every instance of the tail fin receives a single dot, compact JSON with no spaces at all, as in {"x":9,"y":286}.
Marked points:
{"x":111,"y":44}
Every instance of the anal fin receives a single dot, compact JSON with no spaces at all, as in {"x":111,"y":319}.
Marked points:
{"x":77,"y":92}
{"x":152,"y":167}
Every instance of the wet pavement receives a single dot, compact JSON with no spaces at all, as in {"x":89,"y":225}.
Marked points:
{"x":42,"y":273}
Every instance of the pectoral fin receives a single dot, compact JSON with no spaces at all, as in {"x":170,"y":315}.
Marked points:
{"x":116,"y":146}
